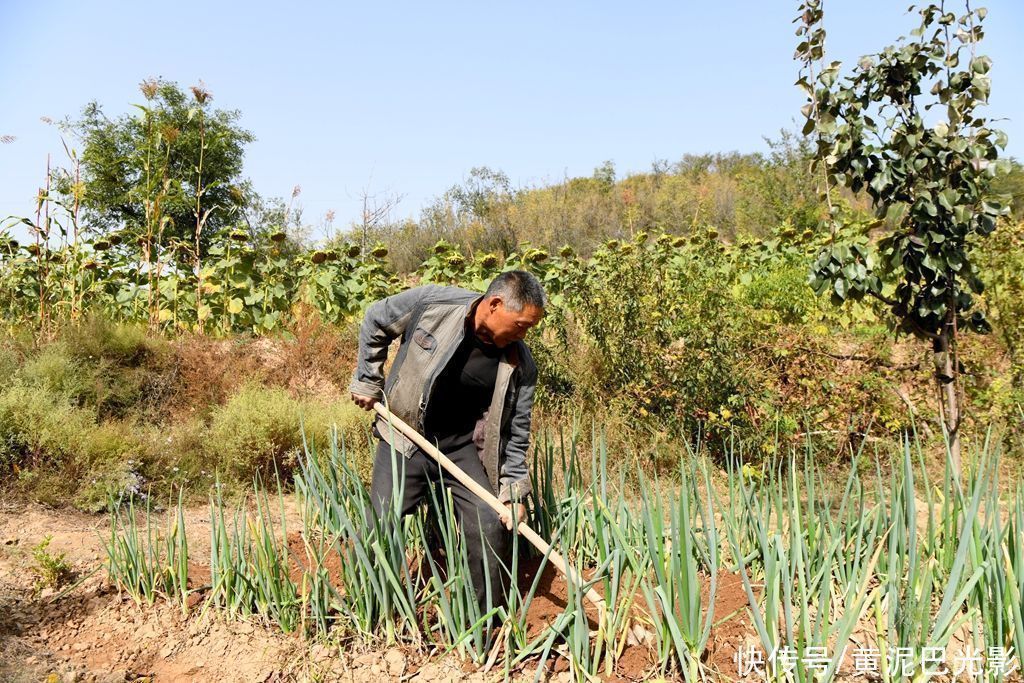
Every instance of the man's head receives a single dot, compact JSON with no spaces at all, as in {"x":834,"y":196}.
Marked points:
{"x":514,"y":302}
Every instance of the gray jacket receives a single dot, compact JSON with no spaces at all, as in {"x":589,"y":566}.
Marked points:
{"x":431,"y":321}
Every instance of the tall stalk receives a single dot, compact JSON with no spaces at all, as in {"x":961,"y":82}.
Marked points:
{"x":201,"y":96}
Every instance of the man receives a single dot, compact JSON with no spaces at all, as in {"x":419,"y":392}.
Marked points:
{"x":464,"y":379}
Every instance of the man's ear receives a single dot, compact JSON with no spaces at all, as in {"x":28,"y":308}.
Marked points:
{"x":494,"y":302}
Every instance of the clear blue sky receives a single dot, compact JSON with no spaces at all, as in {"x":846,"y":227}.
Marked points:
{"x":407,"y":97}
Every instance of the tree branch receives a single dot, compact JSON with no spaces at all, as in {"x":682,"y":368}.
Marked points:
{"x":884,"y":299}
{"x":863,"y":359}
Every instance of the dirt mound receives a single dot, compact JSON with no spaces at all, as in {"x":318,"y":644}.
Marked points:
{"x":299,"y":560}
{"x":550,"y":598}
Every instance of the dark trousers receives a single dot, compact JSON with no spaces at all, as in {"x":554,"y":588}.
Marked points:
{"x":475,"y":519}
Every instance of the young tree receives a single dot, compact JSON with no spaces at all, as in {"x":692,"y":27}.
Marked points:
{"x":476,"y":211}
{"x":377,"y":210}
{"x":178,"y":156}
{"x":905,"y":129}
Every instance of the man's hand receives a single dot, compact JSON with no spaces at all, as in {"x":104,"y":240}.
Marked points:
{"x":517,"y":509}
{"x":364,"y":402}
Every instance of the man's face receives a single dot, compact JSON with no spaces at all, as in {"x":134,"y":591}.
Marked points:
{"x":500,"y":326}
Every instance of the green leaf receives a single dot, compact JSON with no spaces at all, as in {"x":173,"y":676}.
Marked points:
{"x":981,"y":65}
{"x":240,"y":280}
{"x":841,"y":288}
{"x":955,"y":261}
{"x":880,"y":182}
{"x":947,"y":199}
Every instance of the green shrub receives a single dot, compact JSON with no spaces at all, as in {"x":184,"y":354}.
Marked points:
{"x":56,"y":371}
{"x":778,"y":293}
{"x":127,"y":391}
{"x":10,"y":362}
{"x":58,"y":452}
{"x":123,"y":368}
{"x":1002,"y":257}
{"x":39,"y":428}
{"x":122,"y":343}
{"x":177,"y":454}
{"x":113,"y":461}
{"x":662,"y":336}
{"x":258,"y":430}
{"x":114,"y":368}
{"x":353,"y":425}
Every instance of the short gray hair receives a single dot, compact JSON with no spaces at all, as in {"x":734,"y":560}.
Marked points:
{"x":518,"y":288}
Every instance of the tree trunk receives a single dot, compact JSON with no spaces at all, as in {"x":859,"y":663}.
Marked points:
{"x":945,"y":375}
